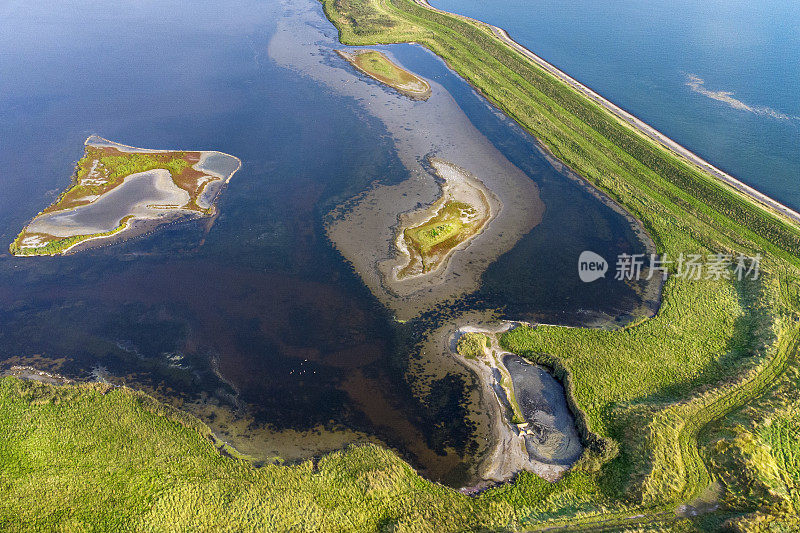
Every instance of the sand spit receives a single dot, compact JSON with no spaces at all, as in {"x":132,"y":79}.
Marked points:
{"x":415,"y":88}
{"x":548,"y":443}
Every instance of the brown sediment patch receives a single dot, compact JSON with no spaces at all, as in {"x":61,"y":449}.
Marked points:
{"x":262,"y":443}
{"x":37,"y":361}
{"x":378,"y":66}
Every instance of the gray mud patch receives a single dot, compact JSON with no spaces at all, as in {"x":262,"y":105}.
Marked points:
{"x":146,"y":195}
{"x":552,"y":434}
{"x":548,"y":445}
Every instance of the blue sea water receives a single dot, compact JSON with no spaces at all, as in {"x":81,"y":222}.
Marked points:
{"x":721,"y":77}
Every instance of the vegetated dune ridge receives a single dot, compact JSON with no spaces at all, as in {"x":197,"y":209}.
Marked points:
{"x":120,"y":191}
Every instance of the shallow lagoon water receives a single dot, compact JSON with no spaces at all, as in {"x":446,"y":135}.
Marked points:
{"x":258,"y":324}
{"x":218,"y":164}
{"x":364,"y":228}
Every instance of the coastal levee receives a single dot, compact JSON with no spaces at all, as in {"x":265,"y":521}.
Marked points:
{"x":635,"y":122}
{"x":647,"y":393}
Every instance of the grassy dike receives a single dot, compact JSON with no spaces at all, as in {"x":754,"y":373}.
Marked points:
{"x":647,"y":393}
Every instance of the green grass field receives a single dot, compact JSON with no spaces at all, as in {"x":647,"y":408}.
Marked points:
{"x":647,"y":396}
{"x":88,"y":457}
{"x":444,"y":226}
{"x":429,"y":235}
{"x":434,"y":239}
{"x":379,"y":65}
{"x":782,"y":436}
{"x":472,"y":345}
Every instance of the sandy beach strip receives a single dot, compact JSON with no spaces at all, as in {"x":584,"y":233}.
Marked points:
{"x":636,"y":123}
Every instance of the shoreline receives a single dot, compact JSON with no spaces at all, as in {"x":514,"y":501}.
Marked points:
{"x":672,"y":146}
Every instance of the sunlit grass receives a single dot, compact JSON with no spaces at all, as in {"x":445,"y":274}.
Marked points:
{"x":380,"y":67}
{"x":90,"y":457}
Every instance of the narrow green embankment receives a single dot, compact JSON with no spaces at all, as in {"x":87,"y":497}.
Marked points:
{"x":646,"y":392}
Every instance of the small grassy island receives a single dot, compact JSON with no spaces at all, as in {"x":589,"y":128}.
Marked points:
{"x":377,"y":66}
{"x":473,"y":345}
{"x":429,"y":237}
{"x":115,"y":187}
